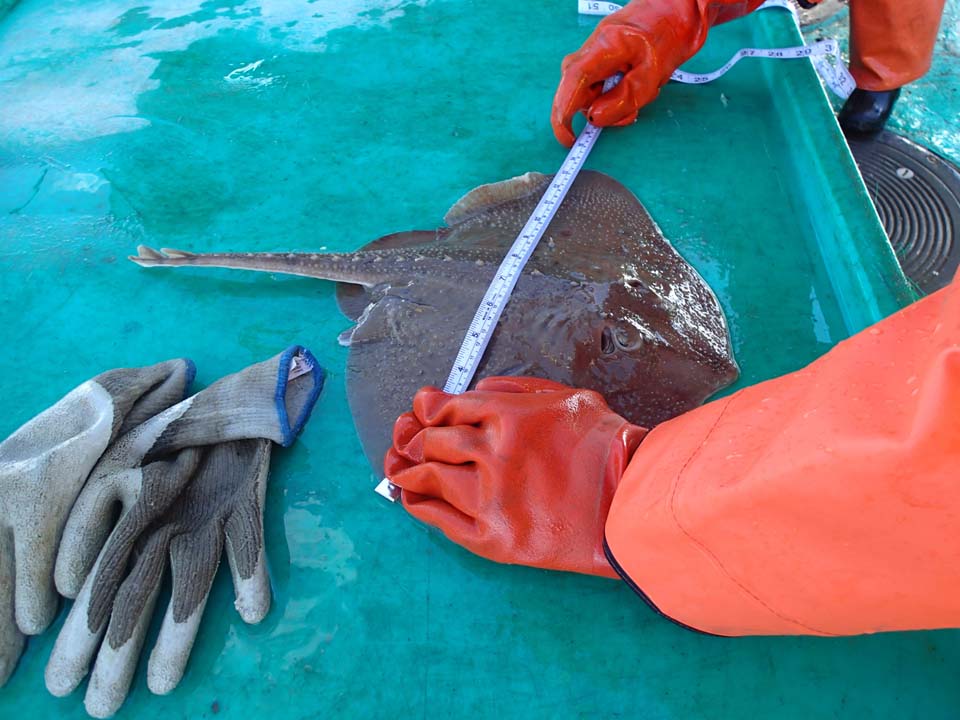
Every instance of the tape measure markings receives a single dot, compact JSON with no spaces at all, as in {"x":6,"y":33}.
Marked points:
{"x":495,"y":300}
{"x":498,"y":293}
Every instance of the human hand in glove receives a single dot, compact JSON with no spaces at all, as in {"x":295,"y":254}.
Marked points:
{"x":43,"y":466}
{"x":177,"y":493}
{"x":646,"y":41}
{"x":520,"y":470}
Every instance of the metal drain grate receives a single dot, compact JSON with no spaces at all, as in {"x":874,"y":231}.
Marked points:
{"x":917,"y":196}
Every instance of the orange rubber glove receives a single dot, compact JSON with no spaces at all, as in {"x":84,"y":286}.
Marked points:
{"x":520,"y":470}
{"x":647,"y":40}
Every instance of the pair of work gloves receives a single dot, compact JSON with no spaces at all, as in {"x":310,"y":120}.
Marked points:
{"x":646,"y":41}
{"x":121,"y":477}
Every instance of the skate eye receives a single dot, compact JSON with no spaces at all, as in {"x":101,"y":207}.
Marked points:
{"x":627,"y":339}
{"x":607,"y":342}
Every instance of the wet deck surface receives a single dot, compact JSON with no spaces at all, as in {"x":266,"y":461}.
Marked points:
{"x":309,"y":126}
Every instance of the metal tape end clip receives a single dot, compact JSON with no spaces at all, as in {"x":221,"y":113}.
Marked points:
{"x":388,"y":490}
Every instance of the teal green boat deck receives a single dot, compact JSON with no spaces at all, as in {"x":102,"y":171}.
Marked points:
{"x":306,"y":126}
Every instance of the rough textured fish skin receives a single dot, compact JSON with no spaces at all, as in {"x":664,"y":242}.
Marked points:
{"x":604,"y":303}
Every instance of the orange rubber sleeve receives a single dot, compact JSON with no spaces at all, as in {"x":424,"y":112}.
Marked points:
{"x":824,"y":502}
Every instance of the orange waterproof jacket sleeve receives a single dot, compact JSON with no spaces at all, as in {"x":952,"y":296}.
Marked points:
{"x":824,"y":502}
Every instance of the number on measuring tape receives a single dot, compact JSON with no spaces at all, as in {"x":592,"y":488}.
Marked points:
{"x":587,"y":7}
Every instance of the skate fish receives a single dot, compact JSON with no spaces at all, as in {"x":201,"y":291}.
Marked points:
{"x":604,"y":303}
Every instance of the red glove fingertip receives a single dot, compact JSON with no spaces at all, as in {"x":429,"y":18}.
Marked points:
{"x":395,"y":463}
{"x":428,"y":403}
{"x":563,"y":130}
{"x":405,"y":428}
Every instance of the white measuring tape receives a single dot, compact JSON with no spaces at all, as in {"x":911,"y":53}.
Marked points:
{"x":825,"y":54}
{"x":491,"y":307}
{"x":498,"y":293}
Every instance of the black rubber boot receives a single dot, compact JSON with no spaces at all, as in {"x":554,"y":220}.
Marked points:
{"x":866,"y":112}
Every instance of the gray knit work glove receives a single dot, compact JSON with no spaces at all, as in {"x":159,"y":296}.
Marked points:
{"x":221,"y":506}
{"x":43,"y":466}
{"x":158,"y":473}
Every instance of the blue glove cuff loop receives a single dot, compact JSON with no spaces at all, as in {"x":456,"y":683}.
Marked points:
{"x":318,"y":375}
